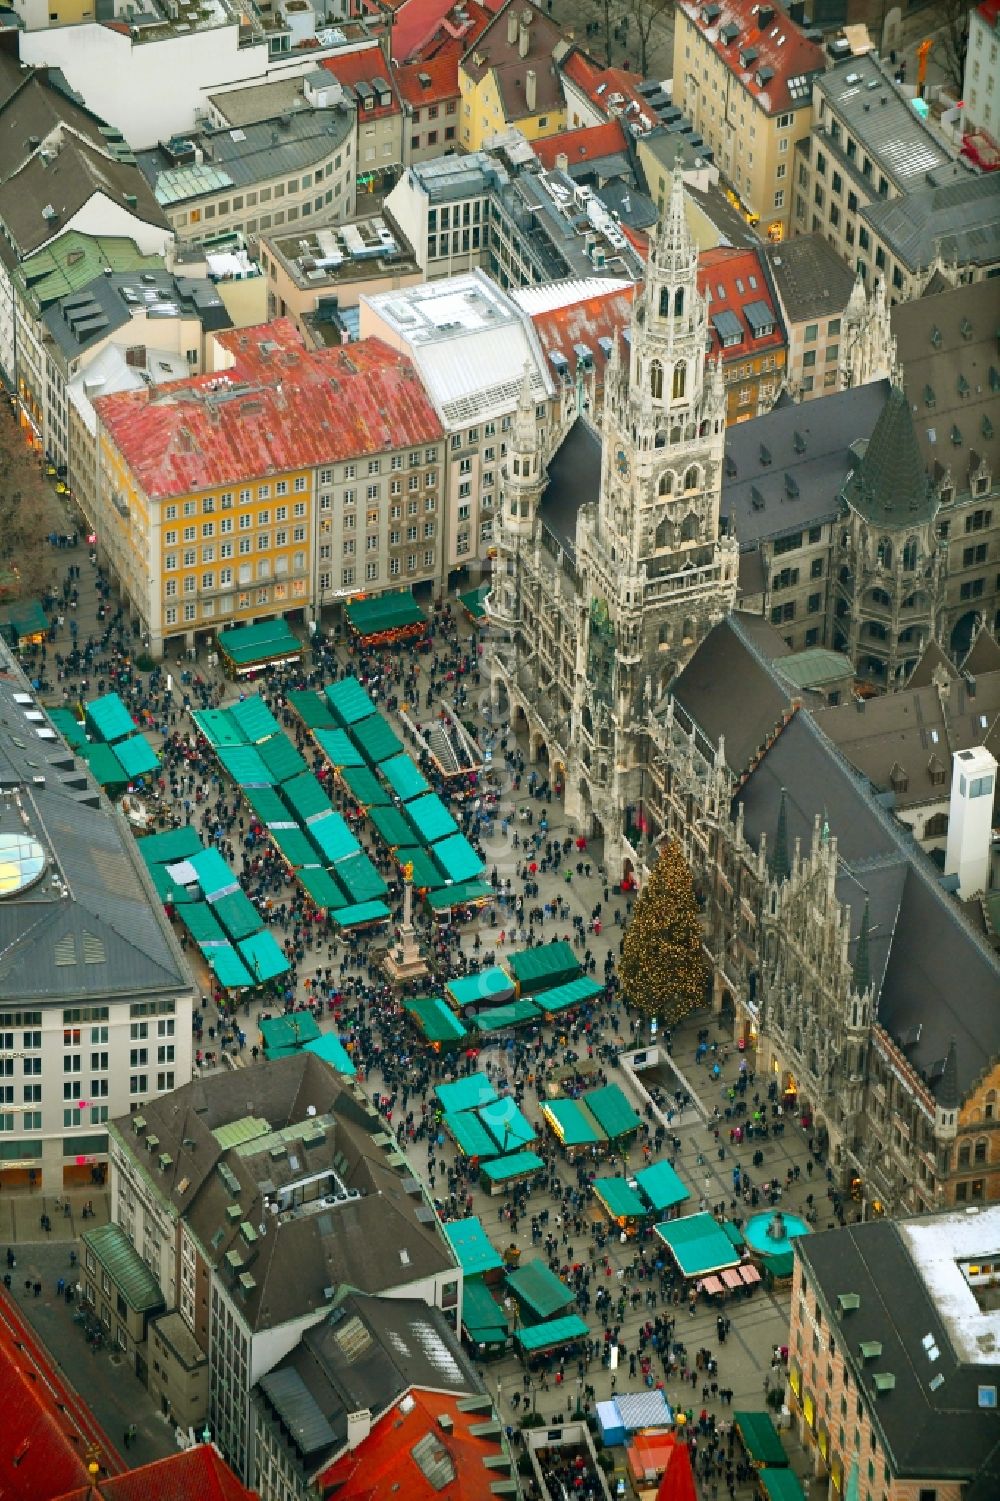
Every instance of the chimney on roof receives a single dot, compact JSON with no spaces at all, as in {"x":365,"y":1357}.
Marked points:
{"x":524,"y":36}
{"x":530,"y":90}
{"x":512,"y":26}
{"x":562,"y":161}
{"x":359,"y":1425}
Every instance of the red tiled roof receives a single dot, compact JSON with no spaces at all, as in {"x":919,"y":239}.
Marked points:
{"x":420,"y":27}
{"x":989,"y":10}
{"x":384,"y":1463}
{"x":442,"y":72}
{"x":584,"y":322}
{"x":198,"y":1474}
{"x":279,"y":407}
{"x":47,"y":1428}
{"x":780,"y":48}
{"x":733,"y":279}
{"x":364,"y":66}
{"x":586,"y":145}
{"x":493,"y":53}
{"x":602,"y":85}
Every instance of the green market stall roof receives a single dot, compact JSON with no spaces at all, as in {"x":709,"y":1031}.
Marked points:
{"x":361,"y":915}
{"x":108,"y":719}
{"x":574,"y":1126}
{"x":173,"y":845}
{"x":516,"y":1165}
{"x":295,"y":846}
{"x":382,"y":614}
{"x":290,"y":1032}
{"x":470,"y":1135}
{"x":427,"y":873}
{"x":349,"y":702}
{"x":360,"y":879}
{"x":467,"y":1093}
{"x":493,"y":984}
{"x":573,"y":993}
{"x":237,"y":914}
{"x":507,"y":1124}
{"x":338,"y":748}
{"x":698,"y":1244}
{"x":430,"y":818}
{"x":484,"y":1321}
{"x":780,"y":1484}
{"x":281,"y":758}
{"x":404,"y":777}
{"x":244,"y":764}
{"x":321,"y":888}
{"x":473,"y":1247}
{"x":514,"y":1014}
{"x":459,"y":894}
{"x":268,"y":807}
{"x":660,"y":1185}
{"x":760,"y":1438}
{"x":306,"y":797}
{"x":458,"y":859}
{"x":249,"y":646}
{"x":540,"y":1291}
{"x":556,"y":1332}
{"x":436,"y":1020}
{"x":540,"y":968}
{"x":314,"y":712}
{"x":473,"y":601}
{"x":620,"y":1198}
{"x":202,"y":923}
{"x":227,"y":966}
{"x":105,"y":766}
{"x":391,"y":827}
{"x":69,"y":727}
{"x":24,"y":618}
{"x":365,"y":787}
{"x":262,"y":956}
{"x":137,"y":756}
{"x":253,"y":719}
{"x":332,"y":1051}
{"x":612,"y":1111}
{"x":376,"y":740}
{"x":333,"y":837}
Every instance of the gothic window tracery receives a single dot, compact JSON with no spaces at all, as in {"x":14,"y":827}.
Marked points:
{"x":910,"y":555}
{"x":666,"y":484}
{"x":656,"y":380}
{"x":689,"y":528}
{"x":680,"y":376}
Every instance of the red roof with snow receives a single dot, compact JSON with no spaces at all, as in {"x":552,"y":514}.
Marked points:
{"x":47,"y":1428}
{"x":198,"y":1474}
{"x":432,"y":82}
{"x":584,"y":322}
{"x":586,"y":145}
{"x":409,"y":1454}
{"x":774,"y":61}
{"x":420,"y":27}
{"x":280,"y":406}
{"x":613,"y":90}
{"x":735,"y":282}
{"x":366,"y":66}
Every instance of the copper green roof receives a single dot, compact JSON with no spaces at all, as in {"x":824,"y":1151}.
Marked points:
{"x":234,"y":1133}
{"x":75,"y":259}
{"x":890,"y":485}
{"x":126,"y":1268}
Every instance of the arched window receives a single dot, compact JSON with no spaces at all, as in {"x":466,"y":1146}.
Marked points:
{"x":691,"y":478}
{"x":680,"y":378}
{"x":690,"y":528}
{"x":990,"y":1105}
{"x":884,"y":552}
{"x":660,"y":441}
{"x":664,"y":302}
{"x":980,"y":1152}
{"x":910,"y":555}
{"x":688,"y":631}
{"x":679,"y":303}
{"x":662,"y":538}
{"x":517,"y":466}
{"x":663,"y":635}
{"x":656,"y":379}
{"x":666,"y":483}
{"x":964,"y":1154}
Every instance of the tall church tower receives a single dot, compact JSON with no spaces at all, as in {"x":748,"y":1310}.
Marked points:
{"x":655,"y":573}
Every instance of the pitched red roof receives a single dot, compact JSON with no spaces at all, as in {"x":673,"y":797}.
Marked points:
{"x":584,"y":322}
{"x":420,"y":27}
{"x":198,"y":1474}
{"x":778,"y":73}
{"x":441,"y":74}
{"x":279,"y":407}
{"x":677,"y":1483}
{"x":47,"y":1429}
{"x":365,"y":66}
{"x":615,"y":91}
{"x":586,"y":145}
{"x":385,"y":1463}
{"x":732,"y":280}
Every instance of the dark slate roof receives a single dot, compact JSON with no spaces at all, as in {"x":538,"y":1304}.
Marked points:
{"x":919,"y":940}
{"x":574,"y":480}
{"x":309,"y":1121}
{"x":89,"y":316}
{"x":727,"y":688}
{"x":366,"y":1354}
{"x":983,"y":655}
{"x":811,"y":279}
{"x":941,"y":1434}
{"x":947,"y":348}
{"x":933,"y":657}
{"x":889,"y":486}
{"x":961,"y":221}
{"x":811,"y":443}
{"x":105,"y":935}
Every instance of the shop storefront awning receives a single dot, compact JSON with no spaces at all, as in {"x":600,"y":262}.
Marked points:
{"x":760,"y":1438}
{"x":551,"y":1334}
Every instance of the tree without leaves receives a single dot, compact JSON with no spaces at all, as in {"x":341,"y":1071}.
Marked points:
{"x":643,"y":16}
{"x":949,"y":24}
{"x":663,"y":970}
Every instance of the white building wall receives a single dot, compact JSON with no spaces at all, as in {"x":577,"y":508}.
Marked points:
{"x":981,"y":94}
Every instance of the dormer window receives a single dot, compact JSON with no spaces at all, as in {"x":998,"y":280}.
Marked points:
{"x":748,"y":55}
{"x":710,"y":14}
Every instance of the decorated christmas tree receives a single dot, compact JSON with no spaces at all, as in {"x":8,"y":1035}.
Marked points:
{"x":663,"y":969}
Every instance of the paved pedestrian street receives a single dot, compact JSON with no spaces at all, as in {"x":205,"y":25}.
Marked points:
{"x":549,"y":885}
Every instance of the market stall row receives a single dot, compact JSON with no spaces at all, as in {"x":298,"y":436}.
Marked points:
{"x":108,"y":739}
{"x":197,"y":885}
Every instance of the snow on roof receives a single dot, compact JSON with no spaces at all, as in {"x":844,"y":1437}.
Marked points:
{"x":559,"y":294}
{"x":940,"y":1246}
